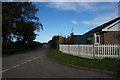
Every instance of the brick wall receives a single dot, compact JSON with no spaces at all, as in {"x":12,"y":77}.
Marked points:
{"x":111,"y":37}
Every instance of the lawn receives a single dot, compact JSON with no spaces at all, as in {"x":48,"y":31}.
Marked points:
{"x":104,"y":64}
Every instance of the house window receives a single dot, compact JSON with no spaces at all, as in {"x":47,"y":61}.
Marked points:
{"x":97,"y":39}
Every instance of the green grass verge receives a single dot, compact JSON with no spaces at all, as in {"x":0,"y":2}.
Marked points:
{"x":104,"y":64}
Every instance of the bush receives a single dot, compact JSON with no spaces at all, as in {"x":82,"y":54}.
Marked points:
{"x":13,"y":47}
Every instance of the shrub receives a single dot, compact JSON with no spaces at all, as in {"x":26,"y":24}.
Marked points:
{"x":13,"y":47}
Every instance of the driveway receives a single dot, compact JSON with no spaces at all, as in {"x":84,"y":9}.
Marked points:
{"x":35,"y":64}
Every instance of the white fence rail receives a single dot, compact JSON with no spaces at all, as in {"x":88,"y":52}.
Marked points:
{"x":92,"y":51}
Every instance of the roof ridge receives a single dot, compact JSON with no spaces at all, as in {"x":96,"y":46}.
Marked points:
{"x":102,"y":26}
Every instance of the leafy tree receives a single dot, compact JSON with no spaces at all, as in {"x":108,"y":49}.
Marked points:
{"x":19,"y":21}
{"x":8,"y":14}
{"x":69,"y":39}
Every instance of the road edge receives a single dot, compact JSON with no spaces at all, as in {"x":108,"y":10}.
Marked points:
{"x":85,"y":68}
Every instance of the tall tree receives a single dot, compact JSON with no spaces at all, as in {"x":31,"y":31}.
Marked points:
{"x":19,"y":21}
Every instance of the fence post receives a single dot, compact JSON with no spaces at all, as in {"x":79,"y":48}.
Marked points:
{"x":68,"y":49}
{"x":93,"y":51}
{"x":118,"y":51}
{"x":78,"y":49}
{"x":60,"y":48}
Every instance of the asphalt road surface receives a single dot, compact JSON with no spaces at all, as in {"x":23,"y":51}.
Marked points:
{"x":35,"y":64}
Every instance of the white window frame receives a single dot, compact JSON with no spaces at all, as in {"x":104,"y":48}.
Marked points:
{"x":95,"y":38}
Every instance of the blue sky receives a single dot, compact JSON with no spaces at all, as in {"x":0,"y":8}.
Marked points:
{"x":58,"y":18}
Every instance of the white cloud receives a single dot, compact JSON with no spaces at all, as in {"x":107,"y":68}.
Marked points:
{"x":101,"y":19}
{"x":74,"y":22}
{"x":102,"y":12}
{"x":62,"y":6}
{"x":81,"y":6}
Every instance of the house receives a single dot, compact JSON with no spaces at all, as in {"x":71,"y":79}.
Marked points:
{"x":79,"y":39}
{"x":108,"y":33}
{"x":76,"y":39}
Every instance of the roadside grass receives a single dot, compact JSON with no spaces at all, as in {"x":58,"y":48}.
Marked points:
{"x":104,"y":64}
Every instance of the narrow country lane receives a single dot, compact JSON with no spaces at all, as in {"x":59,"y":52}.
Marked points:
{"x":35,"y":64}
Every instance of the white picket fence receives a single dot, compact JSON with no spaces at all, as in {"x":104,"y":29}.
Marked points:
{"x":92,"y":51}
